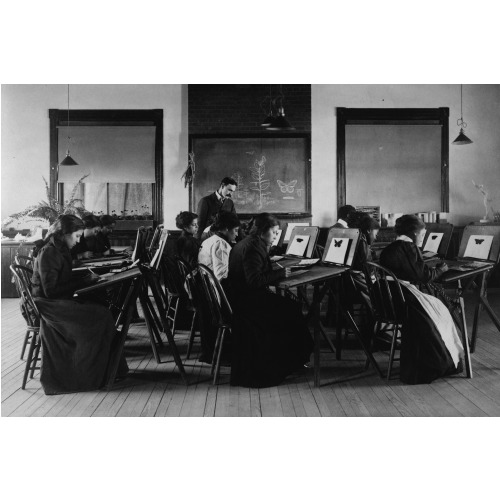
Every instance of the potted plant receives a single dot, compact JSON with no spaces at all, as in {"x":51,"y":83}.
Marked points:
{"x":45,"y":213}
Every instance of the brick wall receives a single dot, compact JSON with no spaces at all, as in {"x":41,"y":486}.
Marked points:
{"x":238,"y":108}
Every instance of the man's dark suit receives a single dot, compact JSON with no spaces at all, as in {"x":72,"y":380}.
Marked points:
{"x":208,"y":208}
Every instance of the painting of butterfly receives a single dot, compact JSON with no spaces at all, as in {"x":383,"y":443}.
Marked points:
{"x":287,"y":187}
{"x":479,"y":246}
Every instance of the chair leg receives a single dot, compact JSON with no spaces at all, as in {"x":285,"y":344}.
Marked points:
{"x":219,"y":354}
{"x":191,"y":336}
{"x":36,"y":354}
{"x":393,"y":350}
{"x":29,"y":361}
{"x":216,"y":348}
{"x":25,"y":343}
{"x":376,"y":331}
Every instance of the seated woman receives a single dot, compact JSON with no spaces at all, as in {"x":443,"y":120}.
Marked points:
{"x":83,"y":249}
{"x":269,"y":335}
{"x":187,"y":244}
{"x":214,"y":252}
{"x":100,"y":244}
{"x":430,"y":345}
{"x":77,"y":336}
{"x":369,"y":229}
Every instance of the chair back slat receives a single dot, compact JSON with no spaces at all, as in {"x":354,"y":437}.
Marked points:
{"x":215,"y":293}
{"x":27,"y":303}
{"x":386,"y":295}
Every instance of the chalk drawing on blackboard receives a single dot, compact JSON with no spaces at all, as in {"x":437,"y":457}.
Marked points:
{"x":249,"y":152}
{"x":300,"y":192}
{"x":240,"y":196}
{"x":287,"y":187}
{"x":259,"y":183}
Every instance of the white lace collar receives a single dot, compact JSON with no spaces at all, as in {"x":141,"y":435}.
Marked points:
{"x":404,"y":238}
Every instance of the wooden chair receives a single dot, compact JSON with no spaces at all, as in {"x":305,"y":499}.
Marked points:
{"x":388,"y":305}
{"x":184,"y":271}
{"x":222,"y":314}
{"x":32,"y":317}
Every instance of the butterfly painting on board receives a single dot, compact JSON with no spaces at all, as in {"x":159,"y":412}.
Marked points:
{"x":338,"y":243}
{"x":287,"y":187}
{"x":478,"y":242}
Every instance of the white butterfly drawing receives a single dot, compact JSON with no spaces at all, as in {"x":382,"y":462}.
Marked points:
{"x":287,"y":188}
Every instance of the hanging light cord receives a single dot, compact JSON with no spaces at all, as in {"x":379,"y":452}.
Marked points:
{"x":460,"y":121}
{"x":68,"y":119}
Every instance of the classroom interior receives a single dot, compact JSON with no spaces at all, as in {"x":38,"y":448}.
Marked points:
{"x":385,"y":147}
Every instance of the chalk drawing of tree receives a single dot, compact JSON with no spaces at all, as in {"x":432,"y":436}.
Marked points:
{"x":259,"y":184}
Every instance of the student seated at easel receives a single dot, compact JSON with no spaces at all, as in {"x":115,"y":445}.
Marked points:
{"x":214,"y":252}
{"x":188,"y":246}
{"x":82,"y":251}
{"x":430,"y":345}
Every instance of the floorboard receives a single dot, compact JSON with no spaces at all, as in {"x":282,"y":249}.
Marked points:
{"x":157,"y":390}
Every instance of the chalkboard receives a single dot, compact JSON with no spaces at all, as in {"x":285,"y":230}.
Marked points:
{"x":273,"y":173}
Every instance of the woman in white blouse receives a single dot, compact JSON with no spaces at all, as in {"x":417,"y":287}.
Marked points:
{"x":214,"y":252}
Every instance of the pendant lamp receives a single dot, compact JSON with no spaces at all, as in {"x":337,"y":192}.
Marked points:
{"x":270,"y":117}
{"x":68,"y":161}
{"x":462,"y":139}
{"x":279,"y":122}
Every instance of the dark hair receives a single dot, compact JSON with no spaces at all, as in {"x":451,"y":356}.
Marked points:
{"x":362,"y":221}
{"x":107,"y":220}
{"x":185,"y":219}
{"x":262,"y":223}
{"x":344,"y":211}
{"x":228,"y":180}
{"x":408,"y":224}
{"x":225,"y":220}
{"x":65,"y":224}
{"x":91,"y":221}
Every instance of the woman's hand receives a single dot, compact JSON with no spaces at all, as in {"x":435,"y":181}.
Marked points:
{"x":90,"y":278}
{"x":86,"y":255}
{"x":442,"y":267}
{"x":288,"y":272}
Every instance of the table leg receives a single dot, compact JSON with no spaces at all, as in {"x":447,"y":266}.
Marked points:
{"x":477,"y":312}
{"x":465,"y":339}
{"x":125,"y":317}
{"x":317,"y":334}
{"x":338,"y":320}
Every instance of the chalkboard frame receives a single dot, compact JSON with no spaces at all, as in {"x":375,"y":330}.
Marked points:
{"x":292,"y":135}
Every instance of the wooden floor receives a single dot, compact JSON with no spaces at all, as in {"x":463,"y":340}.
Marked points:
{"x":347,"y":390}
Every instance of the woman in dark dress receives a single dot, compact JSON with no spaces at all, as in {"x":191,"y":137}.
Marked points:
{"x":188,"y":246}
{"x":368,"y":228}
{"x":77,"y":335}
{"x":269,"y":335}
{"x":85,"y":247}
{"x":430,"y":345}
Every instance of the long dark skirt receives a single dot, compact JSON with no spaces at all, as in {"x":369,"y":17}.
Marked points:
{"x":270,"y":339}
{"x":77,"y":342}
{"x":424,"y":356}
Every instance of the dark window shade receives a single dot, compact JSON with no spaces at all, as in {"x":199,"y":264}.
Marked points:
{"x":108,"y":154}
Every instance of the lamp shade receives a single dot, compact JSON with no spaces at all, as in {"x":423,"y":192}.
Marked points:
{"x":280,"y":122}
{"x":462,"y":139}
{"x":68,"y":161}
{"x":267,"y":121}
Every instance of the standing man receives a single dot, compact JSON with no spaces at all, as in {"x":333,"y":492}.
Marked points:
{"x":209,"y":206}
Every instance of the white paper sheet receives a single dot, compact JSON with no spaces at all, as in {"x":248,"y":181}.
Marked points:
{"x":298,"y":245}
{"x":289,"y":229}
{"x":433,"y":242}
{"x":479,"y":246}
{"x":337,"y":251}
